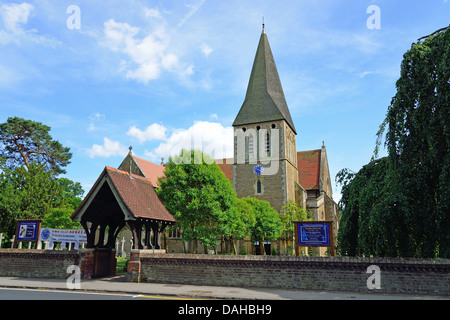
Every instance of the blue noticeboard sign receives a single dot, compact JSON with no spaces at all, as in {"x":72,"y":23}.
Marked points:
{"x":313,"y":234}
{"x":27,"y":230}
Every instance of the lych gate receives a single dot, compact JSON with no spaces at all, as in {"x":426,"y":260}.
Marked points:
{"x":118,"y":198}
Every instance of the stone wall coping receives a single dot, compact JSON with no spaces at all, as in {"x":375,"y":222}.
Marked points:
{"x":368,"y":260}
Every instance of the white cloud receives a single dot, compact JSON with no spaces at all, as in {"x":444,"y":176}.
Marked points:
{"x":15,"y":17}
{"x":147,"y":54}
{"x":152,"y":132}
{"x":206,"y":49}
{"x":210,"y":137}
{"x":93,"y":119}
{"x":152,"y":13}
{"x":108,"y":149}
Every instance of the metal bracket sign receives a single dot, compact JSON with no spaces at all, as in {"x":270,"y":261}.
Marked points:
{"x":313,"y":234}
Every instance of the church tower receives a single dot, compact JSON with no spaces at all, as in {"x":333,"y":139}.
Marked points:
{"x":265,"y":155}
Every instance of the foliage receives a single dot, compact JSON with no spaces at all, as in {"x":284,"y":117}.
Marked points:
{"x":268,"y":226}
{"x":36,"y":194}
{"x":236,"y":222}
{"x":26,"y":194}
{"x":196,"y":191}
{"x":372,"y":222}
{"x":59,"y":218}
{"x":289,"y":213}
{"x":25,"y":142}
{"x":400,"y":205}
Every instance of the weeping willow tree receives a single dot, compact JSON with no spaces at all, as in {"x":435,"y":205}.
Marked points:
{"x":400,"y":205}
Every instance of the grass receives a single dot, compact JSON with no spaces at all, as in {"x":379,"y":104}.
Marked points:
{"x":121,"y":267}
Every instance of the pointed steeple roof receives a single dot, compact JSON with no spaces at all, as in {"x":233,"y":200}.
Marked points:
{"x":265,"y":99}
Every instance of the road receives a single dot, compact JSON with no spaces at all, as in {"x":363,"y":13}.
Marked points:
{"x":38,"y":294}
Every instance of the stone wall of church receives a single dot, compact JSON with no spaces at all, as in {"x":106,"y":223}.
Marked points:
{"x":280,"y":178}
{"x":273,"y":187}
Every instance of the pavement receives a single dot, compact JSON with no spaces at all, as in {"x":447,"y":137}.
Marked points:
{"x":181,"y":291}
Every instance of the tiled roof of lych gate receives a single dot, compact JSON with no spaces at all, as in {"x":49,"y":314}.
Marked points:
{"x":135,"y":192}
{"x":308,"y":164}
{"x":138,"y":194}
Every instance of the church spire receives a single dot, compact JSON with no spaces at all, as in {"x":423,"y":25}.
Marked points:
{"x":264,"y":26}
{"x":265,"y":99}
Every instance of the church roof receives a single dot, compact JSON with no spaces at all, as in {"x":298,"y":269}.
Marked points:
{"x":226,"y":165}
{"x":308,"y":164}
{"x":151,"y":171}
{"x":143,"y":168}
{"x":265,"y":99}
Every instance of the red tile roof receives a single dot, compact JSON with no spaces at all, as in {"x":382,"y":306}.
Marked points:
{"x":226,"y":166}
{"x":151,"y":171}
{"x":136,"y":193}
{"x":308,"y":164}
{"x":139,"y":195}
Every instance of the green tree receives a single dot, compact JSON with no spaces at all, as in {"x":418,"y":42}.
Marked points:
{"x":418,"y":143}
{"x":372,"y":222}
{"x":196,"y":191}
{"x":289,"y":213}
{"x":400,"y":205}
{"x":26,"y":194}
{"x":24,"y":142}
{"x":59,"y":218}
{"x":268,"y":226}
{"x":236,"y":223}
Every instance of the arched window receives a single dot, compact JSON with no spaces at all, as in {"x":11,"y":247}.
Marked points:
{"x":267,"y":144}
{"x":258,"y":187}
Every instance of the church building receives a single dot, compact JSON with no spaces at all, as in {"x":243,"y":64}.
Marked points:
{"x":266,"y":162}
{"x":266,"y":165}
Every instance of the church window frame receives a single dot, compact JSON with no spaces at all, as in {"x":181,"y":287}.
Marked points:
{"x":267,"y":144}
{"x":258,"y":187}
{"x":251,"y":146}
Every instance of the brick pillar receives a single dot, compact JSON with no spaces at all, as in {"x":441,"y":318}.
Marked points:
{"x":134,"y":266}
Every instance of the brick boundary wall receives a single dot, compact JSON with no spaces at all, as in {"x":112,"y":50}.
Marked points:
{"x":37,"y":263}
{"x":31,"y":263}
{"x":397,"y":275}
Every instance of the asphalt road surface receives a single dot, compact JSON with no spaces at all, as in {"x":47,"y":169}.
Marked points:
{"x":37,"y":294}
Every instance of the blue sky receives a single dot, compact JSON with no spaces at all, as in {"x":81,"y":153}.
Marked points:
{"x":153,"y":74}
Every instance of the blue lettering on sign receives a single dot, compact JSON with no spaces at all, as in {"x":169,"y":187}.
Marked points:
{"x":313,"y":234}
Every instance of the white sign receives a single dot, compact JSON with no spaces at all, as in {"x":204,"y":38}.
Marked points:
{"x":76,"y":236}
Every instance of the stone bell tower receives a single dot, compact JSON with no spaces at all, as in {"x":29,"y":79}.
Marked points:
{"x":265,"y":155}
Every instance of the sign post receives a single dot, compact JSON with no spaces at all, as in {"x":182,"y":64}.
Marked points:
{"x":27,"y":230}
{"x":313,"y":234}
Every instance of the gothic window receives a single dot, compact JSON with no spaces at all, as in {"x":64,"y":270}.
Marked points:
{"x":258,"y":187}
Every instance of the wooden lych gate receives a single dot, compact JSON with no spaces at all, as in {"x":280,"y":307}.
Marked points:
{"x":116,"y":199}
